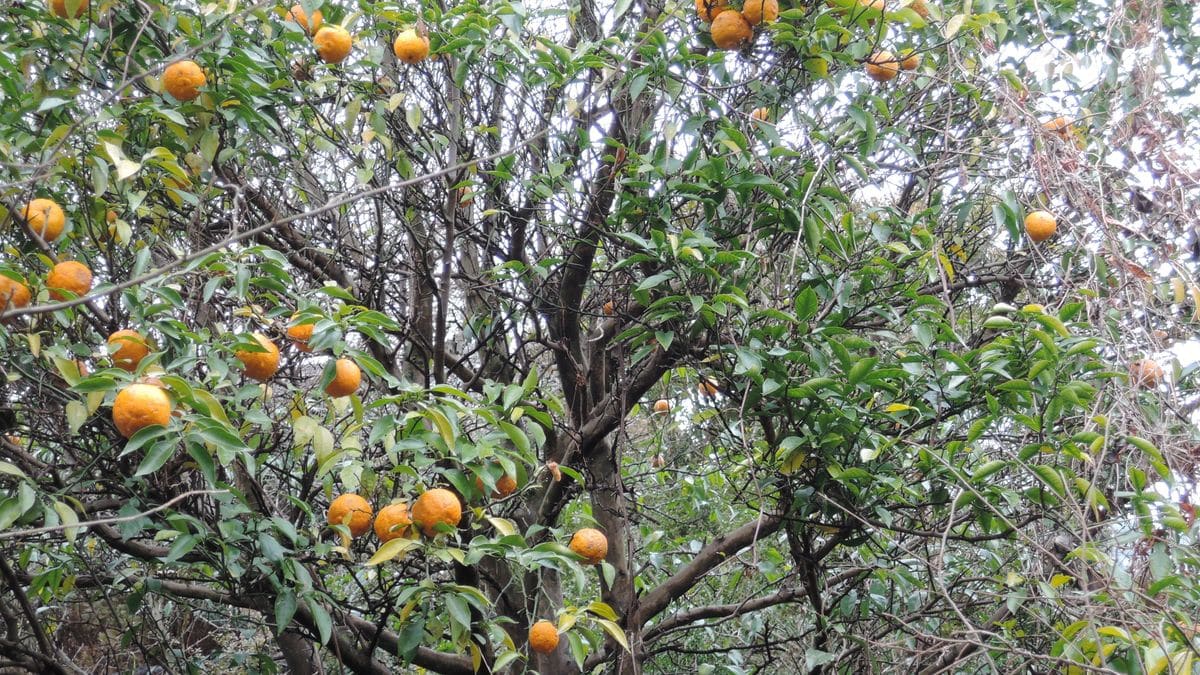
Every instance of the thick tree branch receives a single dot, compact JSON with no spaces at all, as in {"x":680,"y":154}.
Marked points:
{"x":716,"y":552}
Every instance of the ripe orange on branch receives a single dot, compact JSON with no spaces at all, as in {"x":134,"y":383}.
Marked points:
{"x":393,"y":522}
{"x":438,"y":506}
{"x":350,"y":510}
{"x":59,"y":8}
{"x":13,"y":294}
{"x":708,"y":10}
{"x":183,"y":80}
{"x":300,"y":334}
{"x":1040,"y":225}
{"x":731,"y":31}
{"x":504,"y":487}
{"x":139,"y":406}
{"x":882,"y":66}
{"x":309,"y":24}
{"x":263,"y":365}
{"x":760,"y":11}
{"x":410,"y":47}
{"x":346,"y":378}
{"x":662,"y":406}
{"x":543,"y":637}
{"x":1146,"y":373}
{"x":69,"y":276}
{"x":1059,"y":125}
{"x":45,"y":217}
{"x":333,"y":44}
{"x":128,"y":348}
{"x":590,"y":544}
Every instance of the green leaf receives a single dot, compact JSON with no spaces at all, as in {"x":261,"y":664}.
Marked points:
{"x":460,"y":613}
{"x":806,"y":304}
{"x":156,"y":456}
{"x":860,"y":369}
{"x":321,"y":618}
{"x":1051,"y":477}
{"x":285,"y":609}
{"x":11,"y":470}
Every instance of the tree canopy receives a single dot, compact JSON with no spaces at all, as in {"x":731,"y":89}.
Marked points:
{"x":563,"y":336}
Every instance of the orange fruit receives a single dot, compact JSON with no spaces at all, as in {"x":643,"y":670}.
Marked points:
{"x":760,"y":114}
{"x":352,"y":511}
{"x":410,"y":47}
{"x":183,"y":80}
{"x":911,"y":61}
{"x":298,"y":15}
{"x":591,"y":544}
{"x":608,"y":308}
{"x":69,"y":276}
{"x":13,"y":294}
{"x":435,"y":507}
{"x":731,"y":31}
{"x":128,"y":348}
{"x":919,"y":7}
{"x":346,"y":378}
{"x":300,"y":334}
{"x":1146,"y":373}
{"x":504,"y":487}
{"x":46,"y":218}
{"x":708,"y":388}
{"x":393,"y":522}
{"x":708,"y":10}
{"x":260,"y":366}
{"x":882,"y":66}
{"x":662,"y":405}
{"x":332,"y":43}
{"x":1059,"y":125}
{"x":59,"y":8}
{"x":139,"y":406}
{"x":110,"y":216}
{"x":759,"y":11}
{"x":1040,"y":225}
{"x":543,"y":637}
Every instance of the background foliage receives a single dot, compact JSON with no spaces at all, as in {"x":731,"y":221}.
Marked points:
{"x":917,"y":449}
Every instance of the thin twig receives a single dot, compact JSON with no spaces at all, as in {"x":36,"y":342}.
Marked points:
{"x":17,"y":534}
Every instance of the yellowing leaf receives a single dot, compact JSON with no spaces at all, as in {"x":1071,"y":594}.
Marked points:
{"x":897,"y":407}
{"x":504,"y":526}
{"x":1113,"y":631}
{"x":614,"y":631}
{"x":68,"y":517}
{"x":94,"y":399}
{"x":126,"y":167}
{"x":953,"y":26}
{"x":77,"y":415}
{"x":1178,"y":290}
{"x":1060,"y":580}
{"x":602,"y":610}
{"x":566,"y":622}
{"x":393,"y":549}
